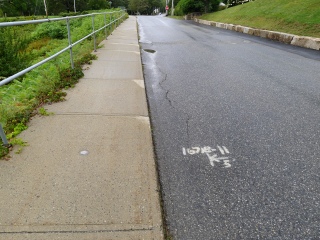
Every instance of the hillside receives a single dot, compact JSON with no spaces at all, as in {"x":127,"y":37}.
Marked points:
{"x":290,"y":16}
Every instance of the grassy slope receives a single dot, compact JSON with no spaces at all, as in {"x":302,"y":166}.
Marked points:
{"x":290,"y":16}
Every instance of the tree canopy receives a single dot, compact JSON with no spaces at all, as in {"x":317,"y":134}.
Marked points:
{"x":55,"y":7}
{"x":119,"y":3}
{"x":36,"y":7}
{"x":145,"y":6}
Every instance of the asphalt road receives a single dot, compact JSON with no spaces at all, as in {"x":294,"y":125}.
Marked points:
{"x":236,"y":127}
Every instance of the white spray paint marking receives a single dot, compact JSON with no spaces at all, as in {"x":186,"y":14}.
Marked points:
{"x":84,"y":152}
{"x":217,"y":156}
{"x":221,"y":150}
{"x":207,"y":149}
{"x":226,"y":150}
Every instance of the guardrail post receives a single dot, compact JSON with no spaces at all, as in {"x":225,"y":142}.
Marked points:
{"x":105,"y":25}
{"x":94,"y":34}
{"x":4,"y":138}
{"x":70,"y":43}
{"x":110,"y":24}
{"x":115,"y":20}
{"x":117,"y":25}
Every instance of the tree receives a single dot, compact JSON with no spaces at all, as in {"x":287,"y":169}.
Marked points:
{"x":17,"y":7}
{"x":58,"y":6}
{"x":138,"y":6}
{"x":144,"y":6}
{"x":97,"y":4}
{"x":152,"y":4}
{"x":119,"y":3}
{"x":55,"y":7}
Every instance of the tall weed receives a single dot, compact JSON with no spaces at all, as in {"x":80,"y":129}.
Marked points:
{"x":13,"y":57}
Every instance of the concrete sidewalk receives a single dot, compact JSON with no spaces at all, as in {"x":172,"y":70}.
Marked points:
{"x":89,"y":170}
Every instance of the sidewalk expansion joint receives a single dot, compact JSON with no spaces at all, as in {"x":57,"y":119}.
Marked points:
{"x":109,"y":79}
{"x":77,"y":231}
{"x":120,"y":61}
{"x":100,"y":114}
{"x":111,"y":50}
{"x":133,"y":44}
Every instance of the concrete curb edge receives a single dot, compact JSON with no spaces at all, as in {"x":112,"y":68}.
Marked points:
{"x":301,"y":41}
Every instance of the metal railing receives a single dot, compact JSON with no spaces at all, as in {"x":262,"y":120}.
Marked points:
{"x":114,"y":19}
{"x":67,"y":19}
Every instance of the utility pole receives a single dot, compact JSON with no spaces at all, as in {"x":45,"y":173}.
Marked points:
{"x":172,"y":8}
{"x":166,"y":7}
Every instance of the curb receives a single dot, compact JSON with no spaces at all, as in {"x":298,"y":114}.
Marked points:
{"x":301,"y":41}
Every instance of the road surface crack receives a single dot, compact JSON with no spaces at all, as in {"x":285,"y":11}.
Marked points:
{"x":167,"y":91}
{"x":172,"y":102}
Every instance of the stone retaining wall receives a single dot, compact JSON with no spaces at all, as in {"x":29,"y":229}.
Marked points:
{"x":301,"y":41}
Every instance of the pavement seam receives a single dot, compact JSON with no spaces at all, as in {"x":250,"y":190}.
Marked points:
{"x":112,"y":79}
{"x":111,"y":50}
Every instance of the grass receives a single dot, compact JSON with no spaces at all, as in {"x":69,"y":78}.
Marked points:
{"x":43,"y":112}
{"x":177,"y":17}
{"x":290,"y":16}
{"x":20,"y":98}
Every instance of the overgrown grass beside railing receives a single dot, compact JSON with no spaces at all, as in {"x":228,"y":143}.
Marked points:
{"x":26,"y":45}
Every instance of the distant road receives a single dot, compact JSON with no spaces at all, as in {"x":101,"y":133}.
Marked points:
{"x":236,"y":123}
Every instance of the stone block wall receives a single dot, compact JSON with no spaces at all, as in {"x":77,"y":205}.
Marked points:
{"x":301,"y":41}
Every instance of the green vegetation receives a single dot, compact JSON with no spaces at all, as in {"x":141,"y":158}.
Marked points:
{"x":290,"y":16}
{"x":17,"y":130}
{"x":49,"y":8}
{"x":42,"y":111}
{"x":177,"y":17}
{"x":19,"y":142}
{"x":188,"y":6}
{"x":14,"y":42}
{"x":31,"y":44}
{"x":144,"y":6}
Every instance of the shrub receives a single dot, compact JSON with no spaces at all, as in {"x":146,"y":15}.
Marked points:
{"x":178,"y":11}
{"x":188,"y":6}
{"x":54,"y":30}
